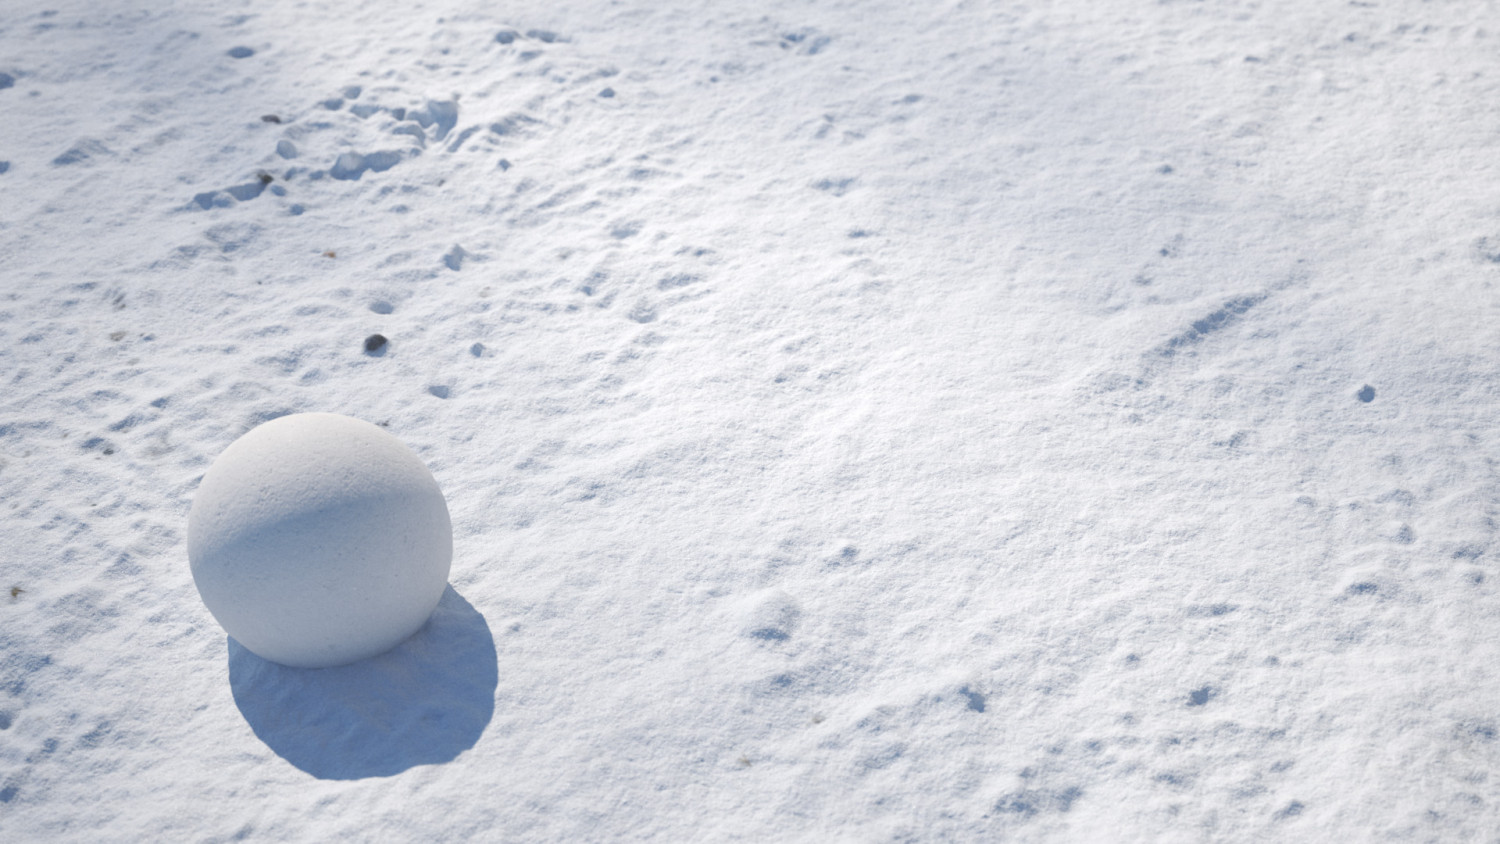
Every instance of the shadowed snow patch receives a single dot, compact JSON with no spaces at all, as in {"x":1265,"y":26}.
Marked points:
{"x":423,"y":703}
{"x":442,"y":114}
{"x":351,"y":165}
{"x":81,"y":151}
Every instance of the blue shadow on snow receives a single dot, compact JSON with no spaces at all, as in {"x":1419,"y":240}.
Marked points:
{"x":422,"y":703}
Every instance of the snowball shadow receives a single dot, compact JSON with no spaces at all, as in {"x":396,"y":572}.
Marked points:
{"x":422,"y":703}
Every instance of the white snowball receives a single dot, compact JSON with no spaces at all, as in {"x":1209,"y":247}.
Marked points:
{"x":318,"y":540}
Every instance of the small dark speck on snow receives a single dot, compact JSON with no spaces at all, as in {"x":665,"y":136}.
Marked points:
{"x":240,"y":52}
{"x":375,"y":343}
{"x":1366,"y":394}
{"x":607,"y":93}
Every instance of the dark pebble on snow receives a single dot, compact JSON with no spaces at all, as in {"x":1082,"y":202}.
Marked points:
{"x":375,"y":343}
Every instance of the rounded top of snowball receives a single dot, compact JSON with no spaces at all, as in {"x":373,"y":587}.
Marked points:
{"x":303,"y":463}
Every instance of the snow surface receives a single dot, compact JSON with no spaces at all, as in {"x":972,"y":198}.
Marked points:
{"x":319,"y":540}
{"x":861,"y":420}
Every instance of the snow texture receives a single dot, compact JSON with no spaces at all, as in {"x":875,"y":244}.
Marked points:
{"x":318,"y":540}
{"x":878,"y":421}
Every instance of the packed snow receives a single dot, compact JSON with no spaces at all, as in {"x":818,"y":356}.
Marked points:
{"x":859,"y":420}
{"x":318,"y":540}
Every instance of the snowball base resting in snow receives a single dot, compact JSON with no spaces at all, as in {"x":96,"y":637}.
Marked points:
{"x":318,"y":540}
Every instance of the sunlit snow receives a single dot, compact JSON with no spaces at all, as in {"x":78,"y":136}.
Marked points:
{"x":861,"y":421}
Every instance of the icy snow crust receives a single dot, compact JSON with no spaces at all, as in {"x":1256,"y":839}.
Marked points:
{"x":869,"y":421}
{"x":317,"y":540}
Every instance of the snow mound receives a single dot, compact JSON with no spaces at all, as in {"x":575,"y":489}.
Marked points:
{"x":771,"y":615}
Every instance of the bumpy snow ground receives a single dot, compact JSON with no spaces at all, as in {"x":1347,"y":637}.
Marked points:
{"x":861,"y":420}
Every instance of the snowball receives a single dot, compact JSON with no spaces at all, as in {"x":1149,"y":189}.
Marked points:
{"x":318,"y":540}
